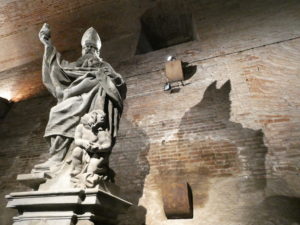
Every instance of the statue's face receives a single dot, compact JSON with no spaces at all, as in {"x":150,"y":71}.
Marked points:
{"x":89,"y":49}
{"x":96,"y":118}
{"x":100,"y":117}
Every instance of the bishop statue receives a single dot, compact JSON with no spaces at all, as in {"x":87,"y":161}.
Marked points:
{"x":81,"y":87}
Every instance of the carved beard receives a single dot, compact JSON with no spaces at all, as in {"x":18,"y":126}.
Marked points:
{"x":88,"y":60}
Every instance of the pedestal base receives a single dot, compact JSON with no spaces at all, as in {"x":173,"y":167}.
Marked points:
{"x":69,"y":207}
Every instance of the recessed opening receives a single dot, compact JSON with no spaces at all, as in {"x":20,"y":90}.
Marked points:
{"x":167,"y":24}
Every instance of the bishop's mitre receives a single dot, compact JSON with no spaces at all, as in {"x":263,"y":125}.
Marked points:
{"x":91,"y":36}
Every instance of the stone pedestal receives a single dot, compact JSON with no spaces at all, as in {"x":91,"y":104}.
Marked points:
{"x":68,"y":207}
{"x":54,"y":201}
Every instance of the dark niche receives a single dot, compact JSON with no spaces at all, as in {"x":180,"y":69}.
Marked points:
{"x":168,"y":23}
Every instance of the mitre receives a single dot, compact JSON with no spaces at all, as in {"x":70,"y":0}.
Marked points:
{"x":91,"y":36}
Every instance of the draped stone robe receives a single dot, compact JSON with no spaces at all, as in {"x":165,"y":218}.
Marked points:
{"x":78,"y":90}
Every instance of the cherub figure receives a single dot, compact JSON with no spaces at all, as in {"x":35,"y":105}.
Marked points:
{"x":90,"y":157}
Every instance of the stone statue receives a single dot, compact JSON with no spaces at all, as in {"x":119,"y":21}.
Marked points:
{"x":87,"y":86}
{"x":76,"y":187}
{"x":90,"y":157}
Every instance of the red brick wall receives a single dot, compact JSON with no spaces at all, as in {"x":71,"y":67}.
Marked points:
{"x":234,"y":118}
{"x":193,"y":135}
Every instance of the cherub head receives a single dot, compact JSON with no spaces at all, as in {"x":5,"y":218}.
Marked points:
{"x":95,"y":118}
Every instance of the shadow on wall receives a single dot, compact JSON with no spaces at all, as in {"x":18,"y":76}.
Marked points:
{"x":129,"y":161}
{"x":276,"y":210}
{"x":210,"y":145}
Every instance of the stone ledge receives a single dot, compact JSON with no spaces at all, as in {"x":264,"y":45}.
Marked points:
{"x":33,"y":180}
{"x":67,"y":206}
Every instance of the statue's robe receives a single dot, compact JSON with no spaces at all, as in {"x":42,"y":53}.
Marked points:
{"x":80,"y":90}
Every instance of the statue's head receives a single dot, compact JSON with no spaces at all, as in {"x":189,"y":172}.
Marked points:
{"x":94,"y":118}
{"x":90,"y":42}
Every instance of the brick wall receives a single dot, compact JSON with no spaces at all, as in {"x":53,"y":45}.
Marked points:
{"x":232,"y":132}
{"x":234,"y":118}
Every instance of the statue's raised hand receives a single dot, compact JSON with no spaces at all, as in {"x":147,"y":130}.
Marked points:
{"x":45,"y":35}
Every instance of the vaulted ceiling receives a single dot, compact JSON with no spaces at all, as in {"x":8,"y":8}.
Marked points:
{"x":20,"y":22}
{"x":117,"y":22}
